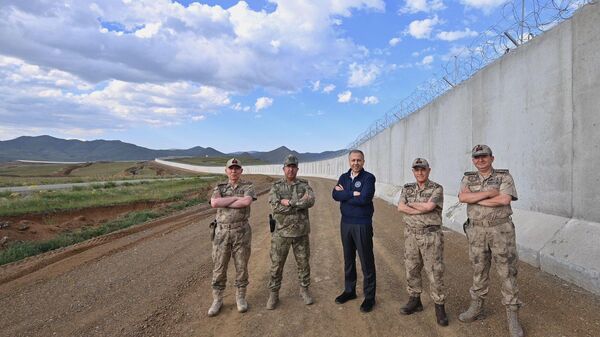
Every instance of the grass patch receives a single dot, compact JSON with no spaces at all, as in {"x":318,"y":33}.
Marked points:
{"x":107,"y":194}
{"x":19,"y":250}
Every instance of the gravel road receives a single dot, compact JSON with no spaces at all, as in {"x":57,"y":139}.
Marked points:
{"x":156,"y":282}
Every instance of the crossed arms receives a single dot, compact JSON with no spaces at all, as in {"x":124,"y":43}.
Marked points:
{"x":491,"y":198}
{"x":231,"y":202}
{"x":364,"y":197}
{"x":415,"y":208}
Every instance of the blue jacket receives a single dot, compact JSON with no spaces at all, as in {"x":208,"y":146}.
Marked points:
{"x":359,"y":209}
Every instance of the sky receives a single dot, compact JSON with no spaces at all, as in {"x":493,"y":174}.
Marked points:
{"x":232,"y":75}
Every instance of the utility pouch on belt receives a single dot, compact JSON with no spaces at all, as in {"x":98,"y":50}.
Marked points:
{"x":213,"y":227}
{"x":272,"y":223}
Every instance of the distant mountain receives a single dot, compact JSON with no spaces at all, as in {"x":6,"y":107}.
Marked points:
{"x":55,"y":149}
{"x":278,"y":155}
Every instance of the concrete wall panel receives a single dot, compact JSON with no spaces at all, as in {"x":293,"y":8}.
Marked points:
{"x":586,"y":114}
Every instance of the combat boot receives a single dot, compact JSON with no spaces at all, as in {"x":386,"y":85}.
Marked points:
{"x":514,"y":327}
{"x":440,"y":315}
{"x":413,"y":305}
{"x":305,"y":294}
{"x":217,"y":303}
{"x":240,"y":299}
{"x":273,"y":300}
{"x":473,"y":312}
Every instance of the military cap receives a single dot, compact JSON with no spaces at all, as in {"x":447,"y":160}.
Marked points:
{"x":290,"y":160}
{"x":233,"y":162}
{"x":420,"y":162}
{"x":481,"y":150}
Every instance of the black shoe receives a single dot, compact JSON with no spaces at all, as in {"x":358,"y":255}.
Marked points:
{"x":440,"y":315}
{"x":345,"y":297}
{"x":367,"y":305}
{"x":413,"y":305}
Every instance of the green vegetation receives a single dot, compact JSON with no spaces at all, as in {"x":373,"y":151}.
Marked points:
{"x":105,"y":194}
{"x":20,"y":250}
{"x":40,"y":174}
{"x":31,"y":170}
{"x":218,"y":161}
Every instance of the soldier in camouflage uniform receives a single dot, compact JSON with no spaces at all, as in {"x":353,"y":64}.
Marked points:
{"x":290,"y":198}
{"x":421,"y":203}
{"x":232,"y":235}
{"x":491,"y":234}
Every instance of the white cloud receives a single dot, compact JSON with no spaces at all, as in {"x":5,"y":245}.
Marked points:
{"x":316,"y":85}
{"x":427,"y":60}
{"x":456,"y":35}
{"x":198,"y":118}
{"x":370,"y":100}
{"x":394,"y":41}
{"x":262,"y":103}
{"x":416,"y":6}
{"x":162,"y":41}
{"x":30,"y":97}
{"x":421,"y":29}
{"x":345,"y":96}
{"x":485,"y":5}
{"x":148,"y":31}
{"x":362,"y":74}
{"x":328,"y":88}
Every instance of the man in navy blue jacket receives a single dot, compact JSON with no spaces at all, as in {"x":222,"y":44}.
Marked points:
{"x":355,"y":191}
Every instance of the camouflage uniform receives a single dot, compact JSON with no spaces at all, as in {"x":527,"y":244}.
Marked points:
{"x":491,"y":234}
{"x":232,"y":236}
{"x":292,"y":229}
{"x":424,"y":241}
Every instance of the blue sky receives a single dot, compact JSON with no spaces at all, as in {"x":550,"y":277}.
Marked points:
{"x":310,"y":75}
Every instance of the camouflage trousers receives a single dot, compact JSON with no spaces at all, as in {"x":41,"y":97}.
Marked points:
{"x":231,"y":243}
{"x":280,"y":247}
{"x":424,"y":251}
{"x":497,"y":242}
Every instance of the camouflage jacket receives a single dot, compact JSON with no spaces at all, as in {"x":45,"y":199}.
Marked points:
{"x":232,"y":215}
{"x":292,"y":220}
{"x":500,"y":180}
{"x":433,"y":192}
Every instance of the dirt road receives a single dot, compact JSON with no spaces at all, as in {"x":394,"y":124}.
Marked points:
{"x":156,"y":282}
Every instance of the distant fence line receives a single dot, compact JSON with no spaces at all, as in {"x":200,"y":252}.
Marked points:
{"x":521,"y":21}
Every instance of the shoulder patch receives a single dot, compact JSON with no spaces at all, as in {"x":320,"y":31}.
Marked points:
{"x":410,"y":185}
{"x":501,"y":170}
{"x":222,"y":184}
{"x":470,"y":173}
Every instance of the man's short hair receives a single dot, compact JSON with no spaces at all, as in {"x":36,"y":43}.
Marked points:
{"x":356,"y":151}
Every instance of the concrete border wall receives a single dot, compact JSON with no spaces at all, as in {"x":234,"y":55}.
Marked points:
{"x":538,"y":108}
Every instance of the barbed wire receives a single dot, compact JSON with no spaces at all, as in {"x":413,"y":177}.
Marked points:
{"x":520,"y":22}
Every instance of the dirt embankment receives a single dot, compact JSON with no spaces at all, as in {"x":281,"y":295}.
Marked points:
{"x":156,"y":282}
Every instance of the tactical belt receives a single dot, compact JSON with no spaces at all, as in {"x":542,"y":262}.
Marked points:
{"x":490,"y":223}
{"x":233,"y":225}
{"x":424,"y":230}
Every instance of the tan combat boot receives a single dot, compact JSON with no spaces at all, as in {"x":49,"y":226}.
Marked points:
{"x":217,"y":303}
{"x":514,"y":327}
{"x":273,"y":300}
{"x":305,"y":294}
{"x":240,"y":299}
{"x":473,"y":312}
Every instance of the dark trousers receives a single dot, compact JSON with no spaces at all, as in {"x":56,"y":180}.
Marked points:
{"x":358,"y":238}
